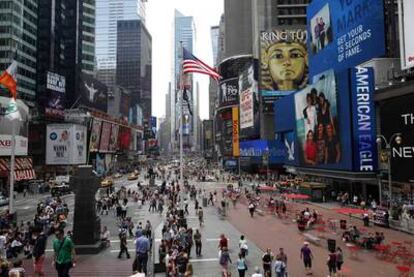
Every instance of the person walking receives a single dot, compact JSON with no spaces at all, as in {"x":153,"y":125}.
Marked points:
{"x":283,"y":258}
{"x":257,"y":272}
{"x":252,"y":207}
{"x":241,"y":265}
{"x":331,"y":263}
{"x":65,"y":255}
{"x":306,"y":256}
{"x":38,"y":253}
{"x":224,"y":261}
{"x":142,"y":247}
{"x":123,"y":244}
{"x":279,"y":267}
{"x":339,"y":260}
{"x":198,"y":243}
{"x":244,"y":249}
{"x":267,"y":259}
{"x":200,"y":214}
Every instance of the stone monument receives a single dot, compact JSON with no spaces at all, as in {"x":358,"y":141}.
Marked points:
{"x":86,"y":224}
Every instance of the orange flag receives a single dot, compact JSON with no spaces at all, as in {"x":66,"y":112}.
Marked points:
{"x":8,"y":79}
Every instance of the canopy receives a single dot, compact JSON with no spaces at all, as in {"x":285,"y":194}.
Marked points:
{"x":23,"y":169}
{"x":267,"y":188}
{"x":296,"y":196}
{"x":350,"y":211}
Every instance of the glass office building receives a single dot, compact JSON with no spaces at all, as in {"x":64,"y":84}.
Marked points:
{"x":18,"y":40}
{"x":108,"y":13}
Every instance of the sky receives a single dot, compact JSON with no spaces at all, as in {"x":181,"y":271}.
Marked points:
{"x":159,"y":21}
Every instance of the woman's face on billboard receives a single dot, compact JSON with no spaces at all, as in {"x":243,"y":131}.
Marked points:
{"x":287,"y":64}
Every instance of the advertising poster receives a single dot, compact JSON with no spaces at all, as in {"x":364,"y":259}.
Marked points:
{"x":95,"y":135}
{"x":65,"y":144}
{"x":283,"y":61}
{"x":100,"y":164}
{"x":21,"y":127}
{"x":257,"y":149}
{"x":397,"y":116}
{"x":93,"y":93}
{"x":317,"y":130}
{"x":113,"y":141}
{"x":124,"y":138}
{"x":364,"y":120}
{"x":228,"y":92}
{"x":249,"y":104}
{"x":105,"y":137}
{"x":406,"y":21}
{"x":235,"y":117}
{"x":343,"y":34}
{"x":56,"y":86}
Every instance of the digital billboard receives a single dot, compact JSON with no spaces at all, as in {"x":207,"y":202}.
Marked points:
{"x":406,"y":21}
{"x":95,"y":135}
{"x":228,"y":92}
{"x":364,"y":120}
{"x":249,"y":104}
{"x":256,"y":149}
{"x":56,"y":86}
{"x":343,"y":34}
{"x":397,"y":116}
{"x":316,"y":109}
{"x":283,"y":61}
{"x":93,"y":93}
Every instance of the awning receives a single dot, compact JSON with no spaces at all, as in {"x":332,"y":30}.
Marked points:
{"x":338,"y":174}
{"x":23,"y":169}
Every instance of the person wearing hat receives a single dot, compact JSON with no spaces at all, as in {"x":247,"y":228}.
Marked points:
{"x":306,"y":256}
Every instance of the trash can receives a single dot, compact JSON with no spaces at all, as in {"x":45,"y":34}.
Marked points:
{"x":342,"y":224}
{"x":331,"y":245}
{"x":204,"y":202}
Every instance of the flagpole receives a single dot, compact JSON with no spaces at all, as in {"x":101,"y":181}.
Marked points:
{"x":181,"y":116}
{"x":12,"y":164}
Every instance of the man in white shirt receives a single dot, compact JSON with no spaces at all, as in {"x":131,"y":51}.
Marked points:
{"x":257,"y":272}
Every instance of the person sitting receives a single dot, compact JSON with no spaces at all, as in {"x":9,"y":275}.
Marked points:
{"x":379,"y":237}
{"x":105,"y":237}
{"x":355,"y":233}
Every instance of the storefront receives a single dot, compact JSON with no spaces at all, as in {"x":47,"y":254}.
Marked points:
{"x":23,"y":170}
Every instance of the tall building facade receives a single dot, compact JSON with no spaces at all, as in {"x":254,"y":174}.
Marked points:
{"x":108,"y":13}
{"x":134,"y":64}
{"x":184,"y":36}
{"x":18,"y":29}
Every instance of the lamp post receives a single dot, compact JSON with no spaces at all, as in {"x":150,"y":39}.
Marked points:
{"x":267,"y":164}
{"x":396,"y":137}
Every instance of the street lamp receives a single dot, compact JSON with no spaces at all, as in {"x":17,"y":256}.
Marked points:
{"x":396,"y":137}
{"x":267,"y":163}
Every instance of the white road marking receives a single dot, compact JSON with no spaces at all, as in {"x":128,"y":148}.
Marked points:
{"x":203,"y":260}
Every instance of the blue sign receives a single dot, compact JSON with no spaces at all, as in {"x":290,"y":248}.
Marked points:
{"x":344,"y":33}
{"x":259,"y":148}
{"x":284,"y":110}
{"x":363,"y":112}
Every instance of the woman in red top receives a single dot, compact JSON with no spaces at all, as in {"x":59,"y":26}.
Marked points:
{"x":310,"y":149}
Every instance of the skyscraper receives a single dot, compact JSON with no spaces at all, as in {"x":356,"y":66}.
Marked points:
{"x":18,"y":28}
{"x":134,"y":64}
{"x":184,"y":36}
{"x":108,"y":13}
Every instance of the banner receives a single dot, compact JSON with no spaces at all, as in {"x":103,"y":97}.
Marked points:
{"x":257,"y":149}
{"x":363,"y":113}
{"x":20,"y":127}
{"x":93,"y":93}
{"x":65,"y":144}
{"x":56,"y":86}
{"x":283,"y":61}
{"x":248,"y":98}
{"x":113,"y":142}
{"x":105,"y":137}
{"x":95,"y":135}
{"x":236,"y":146}
{"x":406,"y":21}
{"x":228,"y":92}
{"x":343,"y":34}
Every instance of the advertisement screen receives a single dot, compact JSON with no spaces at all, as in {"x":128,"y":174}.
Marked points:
{"x":228,"y":92}
{"x":95,"y":135}
{"x":397,"y":116}
{"x":283,"y":61}
{"x":21,"y":128}
{"x":256,"y":149}
{"x":105,"y":137}
{"x":93,"y":93}
{"x":317,"y":129}
{"x":56,"y":85}
{"x":406,"y":21}
{"x":113,"y":142}
{"x":65,"y":144}
{"x":249,"y":104}
{"x":343,"y":34}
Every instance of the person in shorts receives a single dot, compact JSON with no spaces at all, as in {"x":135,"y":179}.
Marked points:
{"x":306,"y":256}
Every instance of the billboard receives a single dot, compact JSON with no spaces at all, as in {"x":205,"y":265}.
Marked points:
{"x":316,"y":110}
{"x":397,"y":116}
{"x":56,"y":86}
{"x":256,"y":149}
{"x":235,"y":133}
{"x":95,"y":135}
{"x":113,"y":141}
{"x":228,"y":92}
{"x":249,"y":104}
{"x":283,"y":61}
{"x":65,"y":144}
{"x":343,"y":34}
{"x":406,"y":20}
{"x":93,"y":93}
{"x":364,"y":121}
{"x":105,"y":137}
{"x":20,"y":128}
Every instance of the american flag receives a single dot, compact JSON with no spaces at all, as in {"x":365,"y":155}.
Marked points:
{"x":193,"y":65}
